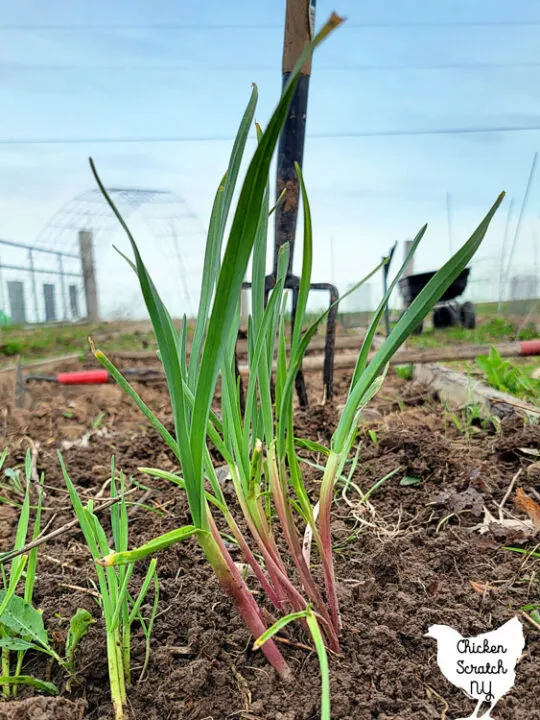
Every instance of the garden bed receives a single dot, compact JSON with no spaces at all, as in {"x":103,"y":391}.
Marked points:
{"x":404,"y":560}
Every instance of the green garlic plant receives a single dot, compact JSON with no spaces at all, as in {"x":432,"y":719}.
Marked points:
{"x":256,"y":440}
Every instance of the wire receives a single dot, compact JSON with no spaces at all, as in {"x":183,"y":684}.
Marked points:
{"x":175,"y":27}
{"x":313,"y":136}
{"x":246,"y":69}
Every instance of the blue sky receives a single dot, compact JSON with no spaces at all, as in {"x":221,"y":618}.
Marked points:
{"x":86,"y":70}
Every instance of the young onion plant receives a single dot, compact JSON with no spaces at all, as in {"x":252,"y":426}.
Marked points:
{"x":120,"y":609}
{"x":256,"y":438}
{"x":21,"y":624}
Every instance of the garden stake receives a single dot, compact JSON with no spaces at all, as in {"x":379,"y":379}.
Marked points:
{"x":299,"y":22}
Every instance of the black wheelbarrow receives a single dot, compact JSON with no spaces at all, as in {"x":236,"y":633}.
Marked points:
{"x":447,"y":312}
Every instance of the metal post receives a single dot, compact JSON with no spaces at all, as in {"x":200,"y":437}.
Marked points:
{"x":244,"y":308}
{"x":449,"y":222}
{"x":2,"y":295}
{"x":89,"y":275}
{"x":409,"y":270}
{"x":74,"y":301}
{"x":386,"y":272}
{"x":503,"y":255}
{"x":62,"y":285}
{"x":520,"y":219}
{"x":299,"y":21}
{"x":34,"y":289}
{"x":49,"y":296}
{"x":535,"y":256}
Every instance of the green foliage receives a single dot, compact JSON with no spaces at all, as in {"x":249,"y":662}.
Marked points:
{"x":255,"y":438}
{"x":240,"y":436}
{"x":21,"y":625}
{"x":12,"y":483}
{"x":408,"y":480}
{"x":5,"y":320}
{"x":311,"y":619}
{"x":500,"y":329}
{"x":153,"y":546}
{"x":373,"y":436}
{"x":38,"y":342}
{"x":507,"y":377}
{"x":41,"y":685}
{"x":496,"y":329}
{"x":78,"y":628}
{"x":22,"y":620}
{"x":405,"y":372}
{"x":120,"y":609}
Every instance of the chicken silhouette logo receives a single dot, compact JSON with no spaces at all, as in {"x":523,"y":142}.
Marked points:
{"x":482,"y":666}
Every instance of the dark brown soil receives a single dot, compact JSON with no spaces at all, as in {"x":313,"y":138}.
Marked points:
{"x":404,"y":560}
{"x":42,"y":708}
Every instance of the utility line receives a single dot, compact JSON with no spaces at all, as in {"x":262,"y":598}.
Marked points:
{"x":247,"y":69}
{"x":175,"y":27}
{"x":313,"y":136}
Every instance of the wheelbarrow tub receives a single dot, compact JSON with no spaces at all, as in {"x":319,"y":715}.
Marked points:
{"x":412,"y":285}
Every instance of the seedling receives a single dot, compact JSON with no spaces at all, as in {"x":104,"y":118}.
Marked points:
{"x":410,"y":480}
{"x":256,"y":439}
{"x":21,"y":624}
{"x":11,"y":483}
{"x":503,"y":375}
{"x":311,"y":620}
{"x":78,"y":628}
{"x":119,"y":608}
{"x":98,"y":420}
{"x":405,"y":372}
{"x":373,"y":437}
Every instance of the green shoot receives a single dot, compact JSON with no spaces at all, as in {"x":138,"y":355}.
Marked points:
{"x":78,"y":627}
{"x":13,"y":484}
{"x":405,"y":372}
{"x":311,"y":619}
{"x":21,"y":625}
{"x":522,"y":551}
{"x":119,"y":608}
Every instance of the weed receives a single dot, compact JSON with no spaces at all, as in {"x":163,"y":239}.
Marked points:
{"x":507,"y":377}
{"x":21,"y":625}
{"x":405,"y":372}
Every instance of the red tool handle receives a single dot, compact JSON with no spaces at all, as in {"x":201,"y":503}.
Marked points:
{"x":83,"y":377}
{"x":529,"y":347}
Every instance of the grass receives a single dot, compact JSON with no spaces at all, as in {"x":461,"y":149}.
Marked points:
{"x":494,"y":330}
{"x":40,"y":342}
